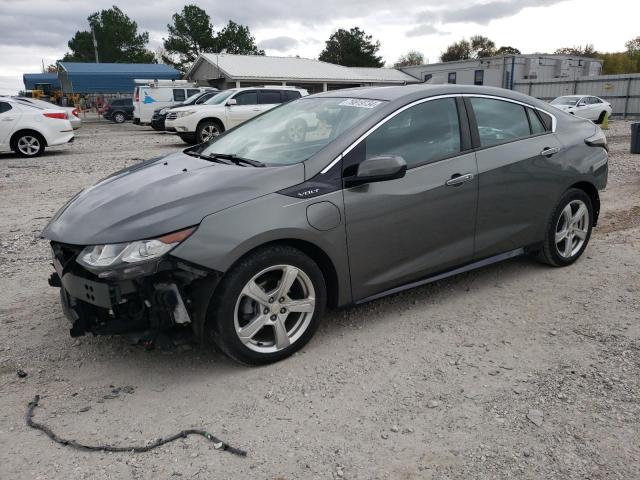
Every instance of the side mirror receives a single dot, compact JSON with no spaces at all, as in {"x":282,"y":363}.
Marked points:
{"x":378,"y":169}
{"x":582,"y":104}
{"x":231,"y":101}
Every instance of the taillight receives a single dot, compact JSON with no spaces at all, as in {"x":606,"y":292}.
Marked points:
{"x":75,"y":112}
{"x":137,"y":95}
{"x":58,"y":115}
{"x":598,"y":139}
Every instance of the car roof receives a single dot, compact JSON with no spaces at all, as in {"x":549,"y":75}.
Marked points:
{"x":408,"y":93}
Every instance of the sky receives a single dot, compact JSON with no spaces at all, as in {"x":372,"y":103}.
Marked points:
{"x":37,"y":31}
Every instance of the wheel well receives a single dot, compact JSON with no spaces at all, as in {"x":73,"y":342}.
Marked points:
{"x":15,"y":136}
{"x":317,"y":255}
{"x":592,"y":192}
{"x":215,"y":120}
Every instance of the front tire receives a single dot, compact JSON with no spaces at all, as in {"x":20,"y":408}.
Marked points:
{"x":119,"y":117}
{"x":267,"y":306}
{"x":569,"y":229}
{"x":28,"y":144}
{"x":208,"y":129}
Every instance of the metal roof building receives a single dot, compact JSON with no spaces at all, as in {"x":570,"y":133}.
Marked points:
{"x":227,"y":71}
{"x":110,"y":77}
{"x":32,"y":79}
{"x":507,"y":70}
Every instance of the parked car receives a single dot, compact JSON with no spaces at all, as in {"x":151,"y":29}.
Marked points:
{"x":28,"y":129}
{"x":248,"y":237}
{"x":159,"y":114}
{"x":72,"y":113}
{"x":118,"y":110}
{"x":584,"y":106}
{"x":153,"y":94}
{"x":198,"y":124}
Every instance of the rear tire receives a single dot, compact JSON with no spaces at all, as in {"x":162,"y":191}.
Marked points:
{"x":569,"y":229}
{"x":267,"y":306}
{"x":28,"y":144}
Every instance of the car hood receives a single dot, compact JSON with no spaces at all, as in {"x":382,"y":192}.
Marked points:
{"x":201,"y":106}
{"x":160,"y":196}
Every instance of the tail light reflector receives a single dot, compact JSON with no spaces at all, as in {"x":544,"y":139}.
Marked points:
{"x":75,"y":112}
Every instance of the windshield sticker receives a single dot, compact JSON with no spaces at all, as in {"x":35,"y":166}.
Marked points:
{"x":360,"y":103}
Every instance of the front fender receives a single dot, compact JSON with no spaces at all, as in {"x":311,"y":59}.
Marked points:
{"x":225,"y":237}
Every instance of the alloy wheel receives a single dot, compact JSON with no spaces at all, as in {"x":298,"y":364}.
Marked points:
{"x":208,"y":132}
{"x":274,"y":308}
{"x":29,"y":145}
{"x":572,"y":228}
{"x":119,"y":118}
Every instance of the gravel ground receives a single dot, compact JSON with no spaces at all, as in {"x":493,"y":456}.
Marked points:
{"x":514,"y":371}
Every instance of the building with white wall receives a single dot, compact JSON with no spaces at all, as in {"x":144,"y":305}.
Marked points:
{"x":228,"y":71}
{"x":506,"y":70}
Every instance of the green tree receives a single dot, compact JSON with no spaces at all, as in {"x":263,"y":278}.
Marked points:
{"x":587,"y":51}
{"x":633,"y":47}
{"x":352,"y":48}
{"x":482,"y":47}
{"x":508,"y":51}
{"x":190,"y":35}
{"x":412,"y":57}
{"x":457,"y":51}
{"x":117,"y":37}
{"x":236,"y":38}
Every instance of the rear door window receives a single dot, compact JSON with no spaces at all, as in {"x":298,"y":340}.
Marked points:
{"x":179,"y":95}
{"x":499,"y":121}
{"x":5,"y":107}
{"x":268,"y":97}
{"x":421,"y":134}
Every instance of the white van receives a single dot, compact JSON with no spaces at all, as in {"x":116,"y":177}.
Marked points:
{"x":152,"y":94}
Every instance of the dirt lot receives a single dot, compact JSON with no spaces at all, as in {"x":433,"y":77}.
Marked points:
{"x":514,"y":371}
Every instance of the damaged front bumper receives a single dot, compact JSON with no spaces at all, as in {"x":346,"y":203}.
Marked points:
{"x":149,"y":298}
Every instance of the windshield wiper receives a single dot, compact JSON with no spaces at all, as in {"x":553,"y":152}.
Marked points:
{"x":238,"y":160}
{"x":208,"y":157}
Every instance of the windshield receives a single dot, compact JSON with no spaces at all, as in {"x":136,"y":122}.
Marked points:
{"x":219,"y":98}
{"x":192,"y":98}
{"x":570,"y":101}
{"x":293,"y":132}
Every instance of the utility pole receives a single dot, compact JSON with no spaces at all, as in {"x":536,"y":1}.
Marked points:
{"x":95,"y":44}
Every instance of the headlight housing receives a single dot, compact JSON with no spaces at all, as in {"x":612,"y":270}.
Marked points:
{"x":185,"y":113}
{"x":163,"y":111}
{"x":118,"y":254}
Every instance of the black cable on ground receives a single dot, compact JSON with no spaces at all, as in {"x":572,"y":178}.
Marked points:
{"x":217,"y":443}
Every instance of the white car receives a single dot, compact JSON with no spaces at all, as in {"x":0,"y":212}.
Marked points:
{"x":200,"y":123}
{"x":584,"y":106}
{"x":72,"y":112}
{"x":28,"y":129}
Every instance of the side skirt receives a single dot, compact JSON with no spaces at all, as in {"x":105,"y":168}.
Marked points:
{"x":471,"y":266}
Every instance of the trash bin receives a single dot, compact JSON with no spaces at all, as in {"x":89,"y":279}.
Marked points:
{"x":635,"y":138}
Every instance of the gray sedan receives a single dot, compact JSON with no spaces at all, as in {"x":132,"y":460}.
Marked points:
{"x":245,"y":240}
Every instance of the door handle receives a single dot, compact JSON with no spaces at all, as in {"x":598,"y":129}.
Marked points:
{"x":256,"y":109}
{"x":549,"y":151}
{"x":7,"y":119}
{"x":458,"y":179}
